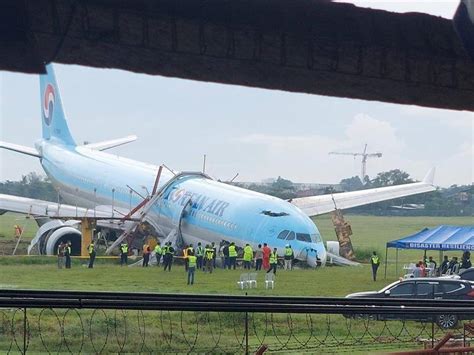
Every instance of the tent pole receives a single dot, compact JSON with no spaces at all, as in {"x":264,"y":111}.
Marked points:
{"x":396,"y":265}
{"x":386,"y":252}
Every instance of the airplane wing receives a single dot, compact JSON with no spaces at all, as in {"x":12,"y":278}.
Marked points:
{"x":316,"y":205}
{"x":42,"y":208}
{"x":20,"y":149}
{"x":111,"y":143}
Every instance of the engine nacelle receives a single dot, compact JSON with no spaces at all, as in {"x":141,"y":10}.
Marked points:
{"x":52,"y":233}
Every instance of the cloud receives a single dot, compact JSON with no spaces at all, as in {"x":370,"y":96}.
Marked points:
{"x":453,"y":119}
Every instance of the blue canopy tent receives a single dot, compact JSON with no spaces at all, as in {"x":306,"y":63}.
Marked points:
{"x":440,"y":238}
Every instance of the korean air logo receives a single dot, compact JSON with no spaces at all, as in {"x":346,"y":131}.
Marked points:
{"x":48,"y":104}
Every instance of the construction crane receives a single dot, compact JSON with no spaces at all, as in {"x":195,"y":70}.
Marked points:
{"x":364,"y":156}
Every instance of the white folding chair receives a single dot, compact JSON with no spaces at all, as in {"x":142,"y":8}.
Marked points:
{"x":243,"y":281}
{"x":270,"y":280}
{"x":252,"y":281}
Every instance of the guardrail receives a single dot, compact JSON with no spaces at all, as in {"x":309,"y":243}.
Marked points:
{"x":103,"y":322}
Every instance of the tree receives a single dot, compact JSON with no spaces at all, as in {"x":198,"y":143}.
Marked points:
{"x":351,"y":184}
{"x":32,"y":185}
{"x":392,"y":177}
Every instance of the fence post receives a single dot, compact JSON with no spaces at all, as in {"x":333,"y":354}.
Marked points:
{"x":24,"y":330}
{"x":246,"y":333}
{"x":432,"y":331}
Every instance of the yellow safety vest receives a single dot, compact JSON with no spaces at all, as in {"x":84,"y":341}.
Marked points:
{"x":248,"y":253}
{"x":375,"y":260}
{"x":273,"y":258}
{"x":158,"y":250}
{"x":192,"y":260}
{"x":232,"y":251}
{"x":209,"y":253}
{"x":91,"y":248}
{"x":124,"y":248}
{"x":288,"y":251}
{"x":68,"y":250}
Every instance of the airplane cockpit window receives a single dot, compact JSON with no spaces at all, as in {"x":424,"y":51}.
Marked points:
{"x":283,"y":234}
{"x":303,"y":237}
{"x":290,"y":236}
{"x":315,"y":238}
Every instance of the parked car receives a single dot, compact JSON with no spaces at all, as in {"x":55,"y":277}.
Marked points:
{"x":424,"y":288}
{"x":467,"y":274}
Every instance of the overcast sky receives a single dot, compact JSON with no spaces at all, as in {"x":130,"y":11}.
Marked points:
{"x":257,"y":133}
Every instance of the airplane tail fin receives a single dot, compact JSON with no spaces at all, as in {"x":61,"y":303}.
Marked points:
{"x":53,"y":118}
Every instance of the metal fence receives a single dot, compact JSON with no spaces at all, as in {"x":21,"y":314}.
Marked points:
{"x":94,"y":322}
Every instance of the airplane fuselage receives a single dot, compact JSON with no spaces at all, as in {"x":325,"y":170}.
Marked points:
{"x":213,"y":211}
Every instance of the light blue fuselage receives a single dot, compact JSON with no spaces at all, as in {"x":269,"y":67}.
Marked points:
{"x":217,"y":211}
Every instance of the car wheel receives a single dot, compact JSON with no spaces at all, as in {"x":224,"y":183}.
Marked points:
{"x":447,"y":321}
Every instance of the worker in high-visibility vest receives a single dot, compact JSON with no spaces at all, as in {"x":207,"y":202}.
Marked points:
{"x":209,"y":256}
{"x":18,"y":231}
{"x":67,"y":254}
{"x":123,"y":254}
{"x":191,"y":266}
{"x":289,"y":256}
{"x":169,"y":257}
{"x":232,"y":255}
{"x":248,"y":255}
{"x":273,"y":261}
{"x":375,"y":262}
{"x":200,"y":256}
{"x":92,"y":253}
{"x":158,"y":253}
{"x":185,"y":256}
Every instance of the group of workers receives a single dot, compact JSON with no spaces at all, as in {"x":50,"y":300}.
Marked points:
{"x":64,"y":255}
{"x":205,"y":257}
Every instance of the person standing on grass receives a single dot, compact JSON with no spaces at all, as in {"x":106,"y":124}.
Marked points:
{"x":191,"y":267}
{"x":209,"y":256}
{"x":258,"y":258}
{"x":61,"y":255}
{"x":123,"y":254}
{"x":214,"y":254}
{"x":375,"y":262}
{"x":289,"y":256}
{"x":225,"y":252}
{"x":67,"y":254}
{"x":146,"y":255}
{"x":158,"y":252}
{"x":92,"y":254}
{"x":232,"y":255}
{"x":266,"y":256}
{"x":169,"y":257}
{"x":248,"y":255}
{"x":273,"y":261}
{"x":200,"y":256}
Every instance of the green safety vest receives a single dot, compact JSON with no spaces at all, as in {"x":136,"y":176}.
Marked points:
{"x":200,"y":251}
{"x":68,"y":250}
{"x":192,"y":261}
{"x":288,"y":251}
{"x":248,"y":253}
{"x":273,"y":258}
{"x":124,"y":248}
{"x":158,"y":249}
{"x":91,"y":248}
{"x":190,"y":249}
{"x":209,"y":253}
{"x":375,"y":260}
{"x":232,"y":251}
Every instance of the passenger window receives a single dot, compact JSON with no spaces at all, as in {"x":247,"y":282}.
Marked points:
{"x":303,"y":237}
{"x":291,"y":236}
{"x":283,"y":234}
{"x":405,"y":289}
{"x":425,"y":288}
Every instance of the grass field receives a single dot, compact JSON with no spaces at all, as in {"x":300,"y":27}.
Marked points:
{"x":36,"y":272}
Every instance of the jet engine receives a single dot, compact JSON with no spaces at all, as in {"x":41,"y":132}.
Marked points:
{"x":52,"y":233}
